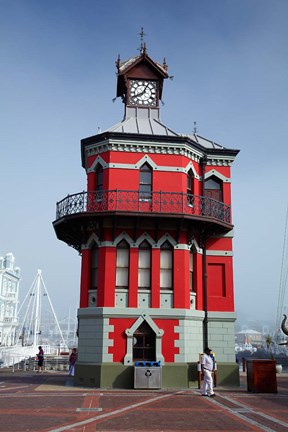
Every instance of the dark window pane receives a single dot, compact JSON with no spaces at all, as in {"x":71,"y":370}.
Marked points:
{"x":212,"y":184}
{"x":145,"y":177}
{"x":144,"y":245}
{"x":145,"y":167}
{"x":144,"y":343}
{"x":145,"y":188}
{"x":99,"y":178}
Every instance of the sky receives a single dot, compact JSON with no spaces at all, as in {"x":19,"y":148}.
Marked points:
{"x":229,"y":59}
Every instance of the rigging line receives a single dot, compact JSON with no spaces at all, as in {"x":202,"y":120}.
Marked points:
{"x":54,"y":314}
{"x":20,"y":328}
{"x":29,"y":291}
{"x":283,"y":279}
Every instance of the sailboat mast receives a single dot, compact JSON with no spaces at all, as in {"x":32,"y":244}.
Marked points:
{"x":283,"y":276}
{"x":37,"y":308}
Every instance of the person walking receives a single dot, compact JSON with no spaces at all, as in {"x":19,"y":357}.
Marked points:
{"x":207,"y":367}
{"x":72,"y":361}
{"x":40,"y":358}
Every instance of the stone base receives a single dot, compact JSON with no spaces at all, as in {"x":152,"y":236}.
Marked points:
{"x":119,"y":376}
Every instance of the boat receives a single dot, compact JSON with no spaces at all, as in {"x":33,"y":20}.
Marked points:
{"x":38,"y":325}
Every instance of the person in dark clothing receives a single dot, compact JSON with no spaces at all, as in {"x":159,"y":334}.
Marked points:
{"x":72,"y":361}
{"x":40,"y":358}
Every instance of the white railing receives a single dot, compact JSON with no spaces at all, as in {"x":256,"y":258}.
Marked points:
{"x":10,"y":356}
{"x":25,"y":358}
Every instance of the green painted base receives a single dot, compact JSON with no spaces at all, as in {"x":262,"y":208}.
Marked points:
{"x":184,"y":375}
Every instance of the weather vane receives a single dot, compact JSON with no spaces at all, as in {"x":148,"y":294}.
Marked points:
{"x":142,"y":48}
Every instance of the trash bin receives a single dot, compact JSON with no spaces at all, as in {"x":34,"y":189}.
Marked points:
{"x":148,"y":375}
{"x":261,"y":376}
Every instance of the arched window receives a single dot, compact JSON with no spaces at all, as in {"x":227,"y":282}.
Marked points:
{"x":94,"y":266}
{"x":99,"y":182}
{"x":144,"y":343}
{"x":166,"y":266}
{"x":122,"y":265}
{"x":213,"y":188}
{"x":191,"y":270}
{"x":144,"y":266}
{"x":145,"y":186}
{"x":190,"y":188}
{"x":190,"y":182}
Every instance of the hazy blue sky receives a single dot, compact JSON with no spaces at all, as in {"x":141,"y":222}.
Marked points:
{"x":57,"y":81}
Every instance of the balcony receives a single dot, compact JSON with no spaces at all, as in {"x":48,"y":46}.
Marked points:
{"x":164,"y":204}
{"x":80,"y":213}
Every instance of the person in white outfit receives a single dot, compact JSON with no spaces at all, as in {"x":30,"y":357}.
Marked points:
{"x":207,"y":367}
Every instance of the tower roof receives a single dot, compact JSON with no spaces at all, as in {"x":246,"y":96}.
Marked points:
{"x":125,"y":66}
{"x":142,"y":125}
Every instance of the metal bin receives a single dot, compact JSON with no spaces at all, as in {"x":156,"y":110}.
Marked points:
{"x":147,"y":375}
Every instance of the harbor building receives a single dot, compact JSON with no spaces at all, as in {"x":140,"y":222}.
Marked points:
{"x":154,"y":230}
{"x":9,"y":291}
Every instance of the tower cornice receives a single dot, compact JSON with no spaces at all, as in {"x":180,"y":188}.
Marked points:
{"x":158,"y":144}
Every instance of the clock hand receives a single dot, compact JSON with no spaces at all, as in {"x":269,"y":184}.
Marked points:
{"x":140,"y":94}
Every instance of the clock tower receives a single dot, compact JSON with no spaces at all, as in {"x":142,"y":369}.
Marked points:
{"x":140,"y":84}
{"x":154,"y":230}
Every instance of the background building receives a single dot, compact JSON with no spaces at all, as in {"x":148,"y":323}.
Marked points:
{"x":154,"y":230}
{"x":9,"y":290}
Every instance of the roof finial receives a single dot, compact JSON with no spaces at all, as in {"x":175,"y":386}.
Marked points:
{"x":195,"y":128}
{"x":165,"y":64}
{"x":118,"y":62}
{"x":142,"y":48}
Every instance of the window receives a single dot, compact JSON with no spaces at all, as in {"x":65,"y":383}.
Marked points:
{"x":122,"y":265}
{"x":94,"y":267}
{"x":190,"y":182}
{"x":145,"y":186}
{"x":213,"y":189}
{"x":191,"y":268}
{"x":99,"y":182}
{"x":144,"y":266}
{"x":190,"y":188}
{"x":144,"y":343}
{"x":166,"y":266}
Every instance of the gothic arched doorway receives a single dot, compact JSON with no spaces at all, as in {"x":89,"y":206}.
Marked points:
{"x":144,"y":346}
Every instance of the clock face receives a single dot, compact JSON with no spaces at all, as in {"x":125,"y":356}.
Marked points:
{"x":143,"y":93}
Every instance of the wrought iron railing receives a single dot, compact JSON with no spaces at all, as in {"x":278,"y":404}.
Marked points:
{"x":135,"y":201}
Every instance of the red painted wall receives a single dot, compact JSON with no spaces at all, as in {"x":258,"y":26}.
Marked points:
{"x":85,"y":277}
{"x":223,"y":243}
{"x":162,"y":181}
{"x":181,"y":279}
{"x":118,"y":336}
{"x":169,"y":337}
{"x":219,"y":270}
{"x":220,"y":284}
{"x":219,"y":278}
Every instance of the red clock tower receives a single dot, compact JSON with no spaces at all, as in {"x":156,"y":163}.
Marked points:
{"x":154,"y":230}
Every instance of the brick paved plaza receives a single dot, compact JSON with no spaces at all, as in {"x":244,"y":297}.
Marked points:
{"x":50,"y":402}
